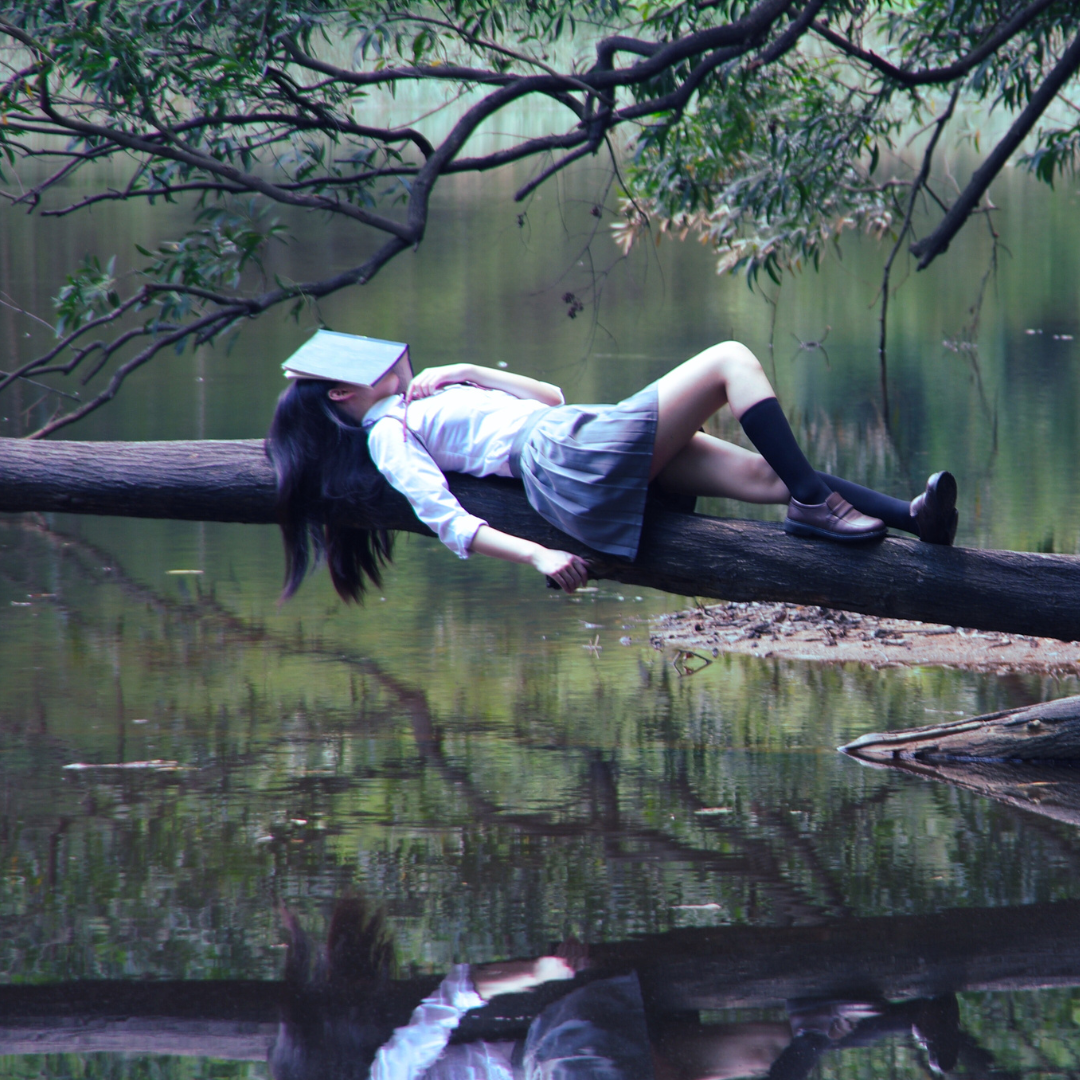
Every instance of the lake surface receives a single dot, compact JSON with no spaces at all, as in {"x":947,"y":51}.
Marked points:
{"x":498,"y":767}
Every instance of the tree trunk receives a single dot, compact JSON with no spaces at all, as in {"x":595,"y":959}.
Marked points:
{"x":1048,"y":732}
{"x":1014,"y":592}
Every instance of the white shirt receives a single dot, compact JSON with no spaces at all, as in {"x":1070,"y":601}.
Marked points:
{"x":466,"y":429}
{"x":414,"y":1050}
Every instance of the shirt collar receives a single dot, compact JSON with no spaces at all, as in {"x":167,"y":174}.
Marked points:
{"x":382,"y":408}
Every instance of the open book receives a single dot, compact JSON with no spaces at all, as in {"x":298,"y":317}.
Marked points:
{"x":348,"y":358}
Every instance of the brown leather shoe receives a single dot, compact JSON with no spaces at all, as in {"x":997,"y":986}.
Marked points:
{"x":934,"y":510}
{"x":834,"y":519}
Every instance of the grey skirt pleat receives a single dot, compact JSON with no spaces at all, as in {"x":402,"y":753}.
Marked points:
{"x":586,"y":470}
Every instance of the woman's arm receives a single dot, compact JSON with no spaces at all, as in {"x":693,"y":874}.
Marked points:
{"x":516,"y":976}
{"x":411,"y":470}
{"x":570,"y":571}
{"x":431,"y":379}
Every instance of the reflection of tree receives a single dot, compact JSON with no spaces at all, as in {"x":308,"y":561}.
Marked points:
{"x":604,"y":835}
{"x":753,"y":859}
{"x":820,"y":950}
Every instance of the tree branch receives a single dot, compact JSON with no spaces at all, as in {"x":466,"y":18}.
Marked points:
{"x":121,"y":374}
{"x":917,"y":185}
{"x":930,"y":76}
{"x":454,"y":72}
{"x":38,"y":365}
{"x":789,"y":38}
{"x":551,"y":170}
{"x":217,"y":168}
{"x":215,"y":323}
{"x":928,"y":249}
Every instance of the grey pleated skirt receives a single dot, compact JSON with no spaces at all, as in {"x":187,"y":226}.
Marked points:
{"x":586,"y":469}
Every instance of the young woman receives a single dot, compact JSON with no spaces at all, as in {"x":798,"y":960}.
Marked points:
{"x":586,"y":468}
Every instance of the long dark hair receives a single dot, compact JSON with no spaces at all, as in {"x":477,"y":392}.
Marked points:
{"x":336,"y":1011}
{"x":323,"y":468}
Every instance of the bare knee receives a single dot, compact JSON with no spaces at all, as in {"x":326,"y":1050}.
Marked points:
{"x":730,"y":362}
{"x":737,"y":373}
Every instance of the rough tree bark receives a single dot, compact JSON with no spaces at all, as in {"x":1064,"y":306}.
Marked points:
{"x":1049,"y":731}
{"x":689,"y":554}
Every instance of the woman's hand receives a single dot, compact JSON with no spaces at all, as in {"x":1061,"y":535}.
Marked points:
{"x":521,"y":386}
{"x":570,"y":572}
{"x":435,"y":378}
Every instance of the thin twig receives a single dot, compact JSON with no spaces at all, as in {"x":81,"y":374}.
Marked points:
{"x":43,"y":386}
{"x":525,"y":191}
{"x":913,"y":194}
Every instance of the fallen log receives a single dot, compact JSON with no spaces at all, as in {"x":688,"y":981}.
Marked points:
{"x":1048,"y":732}
{"x":688,"y":554}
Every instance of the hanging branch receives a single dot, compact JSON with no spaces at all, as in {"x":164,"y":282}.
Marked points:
{"x":739,"y":132}
{"x":917,"y":185}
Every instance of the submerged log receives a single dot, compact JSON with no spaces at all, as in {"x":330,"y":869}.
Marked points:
{"x":1049,"y":732}
{"x":689,"y":554}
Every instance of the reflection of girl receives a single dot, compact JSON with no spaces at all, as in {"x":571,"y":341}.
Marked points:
{"x":585,"y":468}
{"x":336,"y":1022}
{"x":337,"y":1025}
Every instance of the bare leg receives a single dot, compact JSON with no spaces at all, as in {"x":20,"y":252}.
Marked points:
{"x":688,"y":461}
{"x":709,"y":466}
{"x":684,"y":459}
{"x":686,"y":1051}
{"x":724,"y":374}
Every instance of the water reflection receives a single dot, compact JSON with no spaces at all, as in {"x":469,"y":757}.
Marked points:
{"x":603,"y":1026}
{"x":884,"y":997}
{"x":688,"y":829}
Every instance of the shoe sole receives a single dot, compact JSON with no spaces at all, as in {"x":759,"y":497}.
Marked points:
{"x":812,"y":532}
{"x":941,"y":492}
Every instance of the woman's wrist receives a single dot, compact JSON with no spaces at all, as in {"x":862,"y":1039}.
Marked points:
{"x":535,"y":556}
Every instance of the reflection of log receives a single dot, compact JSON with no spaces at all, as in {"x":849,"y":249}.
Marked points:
{"x":229,"y":1019}
{"x":1019,"y":948}
{"x":1040,"y":789}
{"x":681,"y":553}
{"x":1023,"y":948}
{"x":1046,"y":732}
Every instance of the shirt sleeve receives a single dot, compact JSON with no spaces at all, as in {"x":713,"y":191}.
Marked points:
{"x":414,"y":1048}
{"x":410,"y":468}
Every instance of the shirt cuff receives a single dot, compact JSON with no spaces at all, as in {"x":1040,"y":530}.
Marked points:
{"x":462,"y":533}
{"x":459,"y":989}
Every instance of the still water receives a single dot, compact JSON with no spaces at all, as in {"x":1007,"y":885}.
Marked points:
{"x":499,"y":768}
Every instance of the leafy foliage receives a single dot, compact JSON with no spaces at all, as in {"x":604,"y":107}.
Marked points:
{"x":760,"y":126}
{"x":89,"y":291}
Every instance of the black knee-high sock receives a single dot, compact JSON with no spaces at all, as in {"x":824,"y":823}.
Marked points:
{"x":896,"y":513}
{"x":767,"y":428}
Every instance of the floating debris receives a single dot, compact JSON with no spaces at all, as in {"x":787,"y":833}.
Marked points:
{"x":174,"y":572}
{"x":154,"y":765}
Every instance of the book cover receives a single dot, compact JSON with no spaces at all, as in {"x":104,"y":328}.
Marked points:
{"x":347,"y":358}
